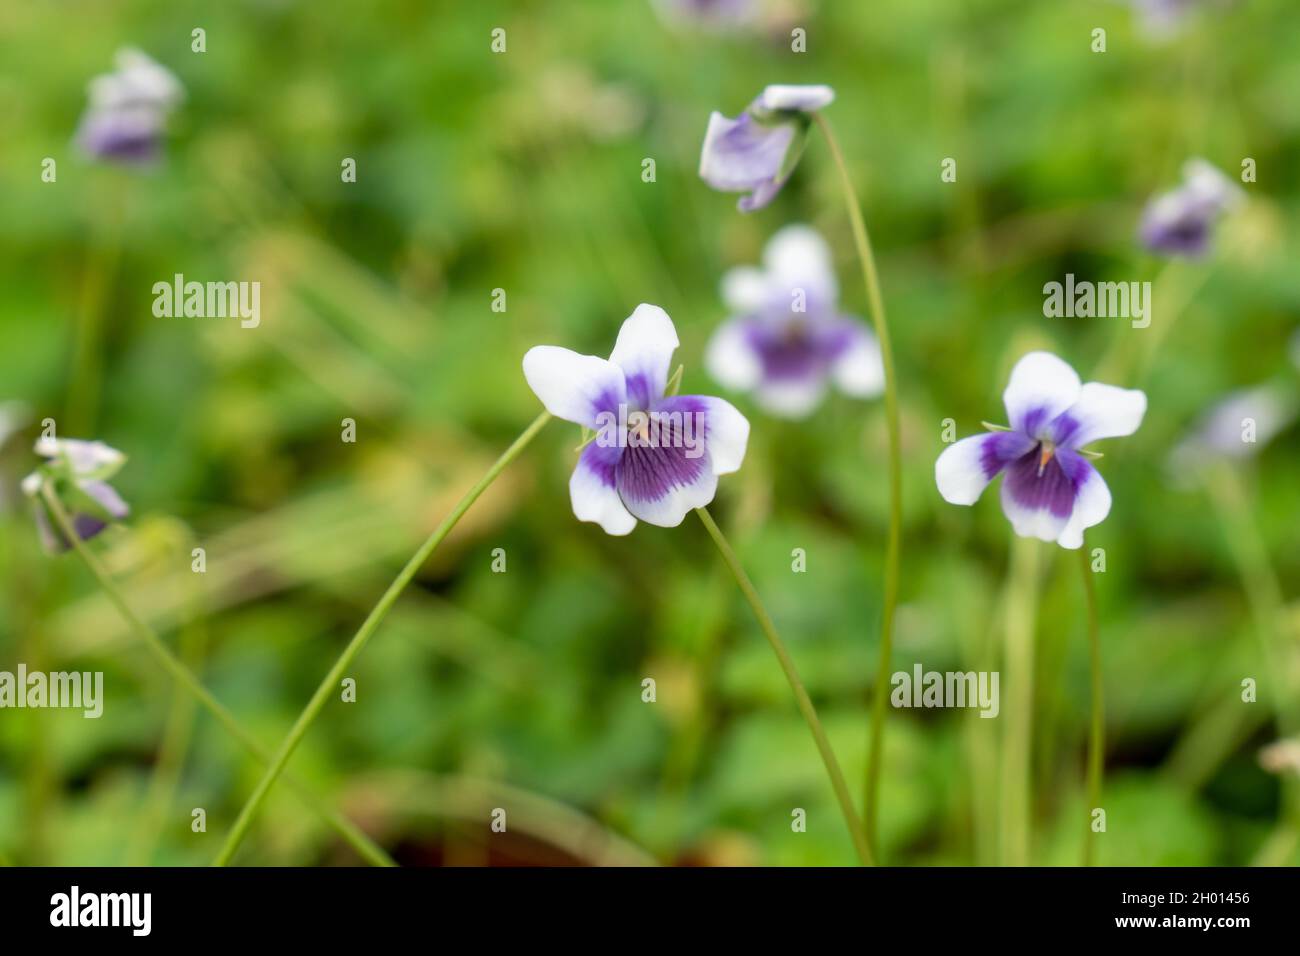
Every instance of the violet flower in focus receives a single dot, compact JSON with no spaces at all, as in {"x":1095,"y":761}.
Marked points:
{"x":756,"y":152}
{"x":1050,"y":490}
{"x":1180,"y":222}
{"x":787,"y":341}
{"x":655,"y":456}
{"x":128,"y":110}
{"x":78,"y":472}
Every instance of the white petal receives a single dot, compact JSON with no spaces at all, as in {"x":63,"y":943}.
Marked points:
{"x":668,"y":511}
{"x":730,"y":357}
{"x":594,"y":499}
{"x":959,"y":471}
{"x":860,"y":370}
{"x":1090,"y":508}
{"x":1041,"y":387}
{"x":644,"y":351}
{"x":574,"y":387}
{"x":798,"y":258}
{"x":804,"y":98}
{"x":745,"y":289}
{"x":728,"y":435}
{"x":1037,"y":523}
{"x":791,"y":397}
{"x":1204,"y":182}
{"x":1105,"y":411}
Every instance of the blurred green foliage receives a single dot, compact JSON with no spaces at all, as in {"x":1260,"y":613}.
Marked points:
{"x":522,"y":171}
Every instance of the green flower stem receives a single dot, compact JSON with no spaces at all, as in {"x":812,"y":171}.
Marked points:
{"x":800,"y":694}
{"x":331,"y":680}
{"x":1097,"y":730}
{"x":184,"y":676}
{"x":1268,"y":611}
{"x":1021,"y":612}
{"x":894,"y":542}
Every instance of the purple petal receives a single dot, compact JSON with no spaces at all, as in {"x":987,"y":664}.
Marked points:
{"x":593,"y":489}
{"x":129,"y":136}
{"x":666,"y":472}
{"x":107,"y":497}
{"x":966,"y":467}
{"x":743,"y":154}
{"x":1039,"y":497}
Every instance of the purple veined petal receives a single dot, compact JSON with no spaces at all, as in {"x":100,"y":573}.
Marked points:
{"x":797,"y":258}
{"x":644,"y":351}
{"x":576,"y":388}
{"x":731,"y":357}
{"x":966,"y":467}
{"x":805,"y":99}
{"x":1038,"y":498}
{"x":725,"y":429}
{"x":107,"y":497}
{"x":743,"y":154}
{"x":593,"y":490}
{"x":663,"y":476}
{"x":1101,"y":411}
{"x":1091,"y":504}
{"x":1042,"y":386}
{"x":858,"y":369}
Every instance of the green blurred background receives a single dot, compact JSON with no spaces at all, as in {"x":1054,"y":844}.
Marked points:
{"x":522,"y":171}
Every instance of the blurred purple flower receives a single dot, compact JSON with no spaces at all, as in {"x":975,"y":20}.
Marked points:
{"x":1238,"y":426}
{"x":1179,"y":223}
{"x":757,"y":151}
{"x":78,"y":472}
{"x":1050,"y":491}
{"x":710,"y":14}
{"x":786,"y":340}
{"x":128,"y":109}
{"x":655,"y":456}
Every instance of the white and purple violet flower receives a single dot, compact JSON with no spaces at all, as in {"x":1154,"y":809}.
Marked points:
{"x":128,"y":110}
{"x":1180,"y":222}
{"x":1050,"y":490}
{"x":757,"y":151}
{"x":78,"y":472}
{"x":787,"y":340}
{"x":655,"y":456}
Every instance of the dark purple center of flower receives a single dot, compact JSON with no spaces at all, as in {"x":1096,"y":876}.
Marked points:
{"x":796,"y":348}
{"x":1043,"y":479}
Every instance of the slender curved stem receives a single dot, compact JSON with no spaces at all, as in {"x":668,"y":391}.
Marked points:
{"x":800,"y":694}
{"x":893,"y":546}
{"x":330,"y":682}
{"x":366,"y":847}
{"x":1097,"y":730}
